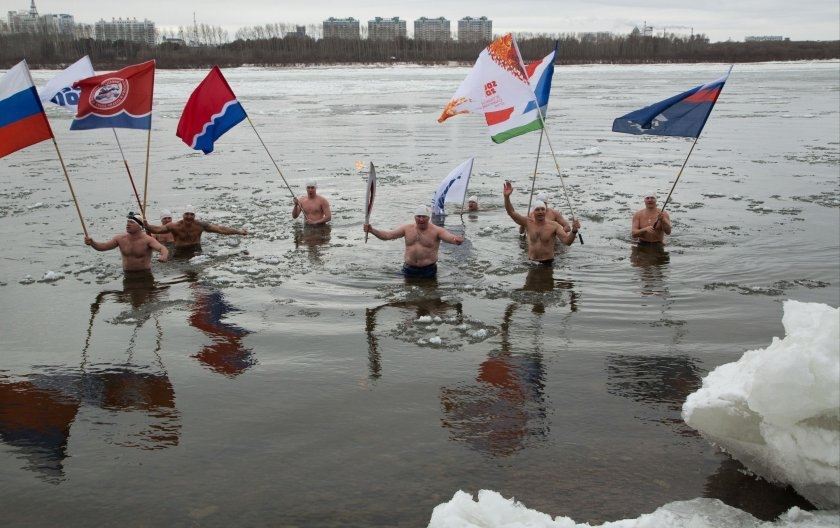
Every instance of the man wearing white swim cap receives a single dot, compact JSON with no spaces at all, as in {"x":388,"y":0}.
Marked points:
{"x":422,"y":241}
{"x":472,"y":203}
{"x":187,"y":232}
{"x":540,"y":232}
{"x":650,"y":225}
{"x":315,"y":208}
{"x":165,"y":218}
{"x":135,"y":246}
{"x":550,"y":214}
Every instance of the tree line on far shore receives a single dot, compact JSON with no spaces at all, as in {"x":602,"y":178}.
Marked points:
{"x":53,"y":51}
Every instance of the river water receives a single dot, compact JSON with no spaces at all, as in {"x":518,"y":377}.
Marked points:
{"x":287,"y":378}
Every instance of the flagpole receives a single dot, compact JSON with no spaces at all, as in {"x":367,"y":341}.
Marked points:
{"x":274,"y":162}
{"x":536,"y":164}
{"x":146,"y":182}
{"x":547,"y":137}
{"x":130,"y":178}
{"x":466,"y":190}
{"x":72,"y":192}
{"x":675,"y":181}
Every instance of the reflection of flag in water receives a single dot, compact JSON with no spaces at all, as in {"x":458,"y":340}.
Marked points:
{"x":22,"y":119}
{"x":453,"y":188}
{"x":211,"y":110}
{"x":498,"y":87}
{"x":681,"y":115}
{"x":226,"y":355}
{"x":60,"y":91}
{"x":120,"y":99}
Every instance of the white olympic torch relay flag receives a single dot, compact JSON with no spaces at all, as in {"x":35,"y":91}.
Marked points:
{"x":60,"y":90}
{"x":497,"y":87}
{"x":453,"y":188}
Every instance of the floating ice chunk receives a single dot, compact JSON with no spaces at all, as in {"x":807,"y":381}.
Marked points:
{"x":421,"y":341}
{"x":581,"y":152}
{"x":491,"y":510}
{"x":481,"y":333}
{"x":271,"y":259}
{"x":436,"y":340}
{"x":437,"y":319}
{"x":36,"y":206}
{"x":52,"y":276}
{"x":27,"y":280}
{"x":777,"y":409}
{"x":199,"y":259}
{"x":461,"y":327}
{"x":424,"y":319}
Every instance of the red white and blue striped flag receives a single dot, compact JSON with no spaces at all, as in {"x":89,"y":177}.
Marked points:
{"x":682,"y":115}
{"x":22,"y":118}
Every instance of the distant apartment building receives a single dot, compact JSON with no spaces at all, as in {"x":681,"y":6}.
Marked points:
{"x":300,"y":31}
{"x":475,"y":29}
{"x":127,"y":29}
{"x":4,"y":27}
{"x":386,"y":28}
{"x":83,"y":31}
{"x":591,"y":36}
{"x":31,"y":22}
{"x":765,"y":38}
{"x":432,"y":29}
{"x":341,"y":28}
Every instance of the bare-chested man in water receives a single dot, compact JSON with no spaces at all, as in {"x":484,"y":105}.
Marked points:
{"x":165,"y":218}
{"x":316,"y":208}
{"x":422,"y":241}
{"x":540,"y":232}
{"x":644,"y":220}
{"x":135,"y":246}
{"x":552,"y":215}
{"x":187,"y":231}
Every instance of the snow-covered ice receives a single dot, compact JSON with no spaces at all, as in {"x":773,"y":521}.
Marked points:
{"x":777,"y":409}
{"x":51,"y":276}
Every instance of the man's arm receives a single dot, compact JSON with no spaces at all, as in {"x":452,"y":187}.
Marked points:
{"x":160,"y":248}
{"x":636,"y":228}
{"x":568,"y":238}
{"x":385,"y":235}
{"x":297,"y":209}
{"x":103,"y":246}
{"x":222,"y":230}
{"x":664,"y":222}
{"x":327,"y":212}
{"x":449,"y":237}
{"x":563,"y":222}
{"x":158,"y":229}
{"x":518,"y":218}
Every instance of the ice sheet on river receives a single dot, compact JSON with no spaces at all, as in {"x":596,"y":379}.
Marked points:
{"x":491,"y":510}
{"x":777,"y":410}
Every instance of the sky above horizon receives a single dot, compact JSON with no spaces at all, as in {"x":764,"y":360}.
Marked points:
{"x":719,"y":20}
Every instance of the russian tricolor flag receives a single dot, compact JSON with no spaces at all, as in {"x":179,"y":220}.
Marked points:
{"x":540,"y":74}
{"x":211,"y":110}
{"x":22,"y":119}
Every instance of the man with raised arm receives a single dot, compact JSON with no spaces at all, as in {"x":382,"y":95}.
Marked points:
{"x":135,"y":246}
{"x":187,"y":231}
{"x":316,"y":208}
{"x":550,"y":214}
{"x":540,"y":232}
{"x":422,"y":241}
{"x":643,"y":227}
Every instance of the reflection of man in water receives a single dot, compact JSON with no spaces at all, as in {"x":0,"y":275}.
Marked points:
{"x":422,"y":242}
{"x":135,"y":246}
{"x":312,"y":237}
{"x":541,"y":233}
{"x":316,"y":208}
{"x":644,"y":219}
{"x":187,"y":231}
{"x":165,"y":218}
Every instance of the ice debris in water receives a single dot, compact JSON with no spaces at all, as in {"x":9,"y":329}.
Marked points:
{"x":777,"y":410}
{"x":51,"y":276}
{"x":436,"y":340}
{"x":437,"y":319}
{"x":36,"y":206}
{"x":27,"y":279}
{"x":479,"y":334}
{"x":271,"y":259}
{"x":199,"y":259}
{"x":491,"y":510}
{"x":424,"y":319}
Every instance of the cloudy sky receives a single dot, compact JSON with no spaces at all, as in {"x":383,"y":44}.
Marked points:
{"x":718,"y":19}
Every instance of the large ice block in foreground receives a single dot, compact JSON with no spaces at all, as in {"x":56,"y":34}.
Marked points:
{"x":491,"y":510}
{"x":777,"y":410}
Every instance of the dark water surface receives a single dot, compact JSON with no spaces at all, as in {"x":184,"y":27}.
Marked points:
{"x":287,"y":378}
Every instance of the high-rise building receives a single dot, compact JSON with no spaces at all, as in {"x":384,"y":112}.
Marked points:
{"x":432,"y":29}
{"x":60,"y":23}
{"x":386,"y":28}
{"x":300,"y":31}
{"x":129,"y":29}
{"x":475,"y":29}
{"x":765,"y":38}
{"x":341,"y":28}
{"x":31,"y":22}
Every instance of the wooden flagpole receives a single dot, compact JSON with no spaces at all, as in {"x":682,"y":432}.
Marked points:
{"x":536,"y":164}
{"x":146,"y":181}
{"x":130,"y":178}
{"x":72,"y":192}
{"x":675,"y":182}
{"x":294,"y":198}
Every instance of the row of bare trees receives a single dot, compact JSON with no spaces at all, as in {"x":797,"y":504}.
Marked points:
{"x":56,"y":50}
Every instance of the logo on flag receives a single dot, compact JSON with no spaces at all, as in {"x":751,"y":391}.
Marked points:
{"x":60,"y":91}
{"x":121,"y":99}
{"x":211,"y":110}
{"x":498,"y":87}
{"x":22,"y":119}
{"x":682,"y":115}
{"x":453,"y":188}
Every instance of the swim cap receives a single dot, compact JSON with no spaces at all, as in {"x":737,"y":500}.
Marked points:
{"x":311,"y":183}
{"x":650,"y":194}
{"x":166,"y":213}
{"x":472,"y":198}
{"x":134,"y":217}
{"x":542,"y":197}
{"x":189,"y":209}
{"x":538,"y":203}
{"x":421,"y":210}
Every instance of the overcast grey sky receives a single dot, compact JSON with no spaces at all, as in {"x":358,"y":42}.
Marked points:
{"x":719,"y":19}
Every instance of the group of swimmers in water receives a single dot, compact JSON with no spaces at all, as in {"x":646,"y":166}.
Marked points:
{"x":542,"y":227}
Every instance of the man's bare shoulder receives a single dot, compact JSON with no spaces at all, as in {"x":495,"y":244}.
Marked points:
{"x":322,"y":199}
